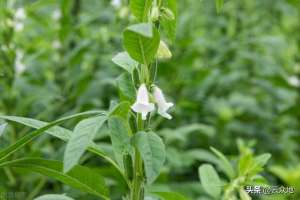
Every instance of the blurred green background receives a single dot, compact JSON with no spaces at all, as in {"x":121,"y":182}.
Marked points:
{"x":233,"y":76}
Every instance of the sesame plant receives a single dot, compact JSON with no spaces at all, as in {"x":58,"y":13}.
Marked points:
{"x":138,"y":152}
{"x":240,"y":174}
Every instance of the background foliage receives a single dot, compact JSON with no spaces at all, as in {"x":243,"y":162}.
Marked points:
{"x":233,"y":75}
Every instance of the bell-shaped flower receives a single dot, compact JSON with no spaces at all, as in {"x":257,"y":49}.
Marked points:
{"x":142,"y":104}
{"x":162,"y":104}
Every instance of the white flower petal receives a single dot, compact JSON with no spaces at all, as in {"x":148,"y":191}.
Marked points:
{"x":20,"y":14}
{"x":142,"y":104}
{"x":142,"y":95}
{"x":165,"y":114}
{"x":56,"y":15}
{"x":163,"y":105}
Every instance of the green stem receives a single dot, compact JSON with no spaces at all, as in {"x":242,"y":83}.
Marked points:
{"x":137,"y":185}
{"x":144,"y":74}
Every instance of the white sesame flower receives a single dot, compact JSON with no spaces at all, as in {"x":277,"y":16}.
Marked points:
{"x":19,"y":26}
{"x":116,"y":3}
{"x":20,"y":14}
{"x":294,"y":81}
{"x":19,"y":18}
{"x":19,"y":65}
{"x":142,"y":104}
{"x":163,"y":105}
{"x":56,"y":15}
{"x":56,"y":44}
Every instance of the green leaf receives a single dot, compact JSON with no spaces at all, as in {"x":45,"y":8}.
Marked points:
{"x":210,"y":180}
{"x":29,"y":137}
{"x":56,"y":131}
{"x":53,"y":197}
{"x":121,"y":110}
{"x":224,"y":163}
{"x":219,"y":5}
{"x":2,"y":128}
{"x":63,"y":134}
{"x":81,"y":178}
{"x":169,"y":26}
{"x":81,"y":137}
{"x":246,"y":163}
{"x":170,"y":196}
{"x":163,"y":51}
{"x":141,"y":48}
{"x":262,"y":160}
{"x":140,"y":9}
{"x":119,"y":133}
{"x":143,"y":29}
{"x":152,"y":150}
{"x":125,"y":61}
{"x":126,"y":87}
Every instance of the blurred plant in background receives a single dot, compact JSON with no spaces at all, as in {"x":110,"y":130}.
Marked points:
{"x":233,"y":75}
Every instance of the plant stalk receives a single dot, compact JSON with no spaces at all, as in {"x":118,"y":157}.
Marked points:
{"x":137,"y":185}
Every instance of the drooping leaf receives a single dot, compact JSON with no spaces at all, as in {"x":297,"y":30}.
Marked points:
{"x":170,"y":196}
{"x":60,"y":133}
{"x":224,"y":163}
{"x":125,"y":61}
{"x":2,"y":129}
{"x":56,"y":131}
{"x":53,"y":197}
{"x":29,"y":137}
{"x":139,"y":47}
{"x":210,"y":180}
{"x":81,"y":178}
{"x":119,"y":133}
{"x":152,"y":150}
{"x":81,"y":137}
{"x":126,"y":87}
{"x":140,"y":9}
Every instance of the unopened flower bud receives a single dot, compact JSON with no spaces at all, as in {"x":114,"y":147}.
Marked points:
{"x":167,"y":13}
{"x":155,"y":14}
